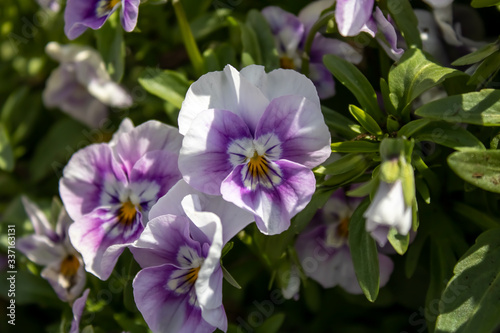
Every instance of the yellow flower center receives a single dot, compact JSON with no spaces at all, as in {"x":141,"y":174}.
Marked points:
{"x":192,"y":275}
{"x":69,"y":266}
{"x":258,"y":165}
{"x":286,"y":63}
{"x":105,"y":6}
{"x":127,"y":213}
{"x":343,"y":228}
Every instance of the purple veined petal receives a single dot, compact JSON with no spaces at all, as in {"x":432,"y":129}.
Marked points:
{"x":101,"y":238}
{"x":129,"y":13}
{"x":163,"y":309}
{"x":323,"y":45}
{"x":78,"y":307}
{"x":62,"y":90}
{"x":40,"y":249}
{"x":301,"y":128}
{"x":151,"y":177}
{"x":286,"y":28}
{"x":40,"y":223}
{"x":224,"y":90}
{"x":351,"y":15}
{"x":322,"y":79}
{"x":160,"y":241}
{"x":280,"y":82}
{"x":386,"y":267}
{"x":67,"y":288}
{"x":89,"y":179}
{"x":233,"y":218}
{"x":311,"y":13}
{"x":125,"y":126}
{"x":208,"y":285}
{"x":81,"y":15}
{"x":204,"y":159}
{"x":389,"y":33}
{"x":273,"y":207}
{"x":370,"y":27}
{"x":149,"y":136}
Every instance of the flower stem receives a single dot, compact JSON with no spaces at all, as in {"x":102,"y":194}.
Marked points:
{"x":188,"y":39}
{"x":310,"y":38}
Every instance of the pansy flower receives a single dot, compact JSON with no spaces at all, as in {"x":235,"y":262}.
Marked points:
{"x":323,"y":249}
{"x":356,"y":16}
{"x":109,"y":188}
{"x":253,"y":138}
{"x":81,"y":86}
{"x":83,"y":14}
{"x":51,"y":248}
{"x":179,"y":288}
{"x":290,"y":34}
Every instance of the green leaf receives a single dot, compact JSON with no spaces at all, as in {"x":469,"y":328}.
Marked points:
{"x":412,"y":75}
{"x":229,"y":278}
{"x":251,"y":53}
{"x":272,"y":324}
{"x":449,"y":135}
{"x":340,"y":125}
{"x":343,"y":164}
{"x":413,"y":126}
{"x":365,"y":120}
{"x":111,"y":46}
{"x":257,"y":23}
{"x":486,"y":70}
{"x":6,"y":154}
{"x":170,"y":86}
{"x":484,"y":3}
{"x":355,"y":147}
{"x":208,"y":23}
{"x":364,"y":253}
{"x":399,"y":242}
{"x":402,"y":13}
{"x":477,"y":55}
{"x":384,"y":88}
{"x":470,"y":301}
{"x":480,"y":168}
{"x":476,"y":216}
{"x":351,"y":77}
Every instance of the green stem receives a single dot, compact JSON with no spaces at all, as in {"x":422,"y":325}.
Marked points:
{"x":310,"y":38}
{"x":188,"y":39}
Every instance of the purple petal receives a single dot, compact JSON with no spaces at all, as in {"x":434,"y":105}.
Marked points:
{"x":129,"y":13}
{"x":66,"y":288}
{"x":273,"y":207}
{"x":386,"y":267}
{"x":280,"y":82}
{"x":40,"y":249}
{"x":204,"y":159}
{"x":78,"y":307}
{"x":226,"y":90}
{"x":125,"y":126}
{"x":80,"y":15}
{"x":323,"y":45}
{"x":163,"y":309}
{"x":390,"y":35}
{"x":301,"y":128}
{"x":149,"y":136}
{"x":322,"y":79}
{"x":101,"y":238}
{"x":286,"y":27}
{"x":160,"y":241}
{"x":86,"y":178}
{"x":352,"y":15}
{"x":40,"y":223}
{"x":233,"y":218}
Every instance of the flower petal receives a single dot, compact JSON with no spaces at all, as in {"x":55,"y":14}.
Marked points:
{"x":389,"y":32}
{"x":40,"y":249}
{"x":322,"y":79}
{"x":87,"y":178}
{"x":163,"y":309}
{"x":351,"y":15}
{"x":280,"y":82}
{"x":129,"y":13}
{"x":80,"y":15}
{"x":149,"y":136}
{"x":78,"y":307}
{"x":225,"y":90}
{"x":287,"y":29}
{"x":310,"y":13}
{"x":38,"y":219}
{"x":66,"y":288}
{"x":273,"y":207}
{"x":301,"y":128}
{"x":204,"y":159}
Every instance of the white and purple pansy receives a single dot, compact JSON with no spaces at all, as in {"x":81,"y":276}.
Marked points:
{"x":51,"y":248}
{"x":109,"y":188}
{"x":323,"y":249}
{"x":290,"y":34}
{"x":179,"y":288}
{"x":253,"y":138}
{"x":83,"y":14}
